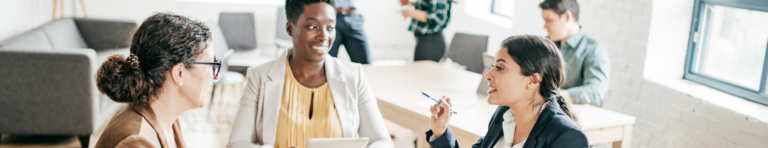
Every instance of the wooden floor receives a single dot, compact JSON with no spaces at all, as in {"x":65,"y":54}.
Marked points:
{"x":206,"y":127}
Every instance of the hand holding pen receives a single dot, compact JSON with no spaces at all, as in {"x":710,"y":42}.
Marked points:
{"x":441,"y":114}
{"x":438,"y":102}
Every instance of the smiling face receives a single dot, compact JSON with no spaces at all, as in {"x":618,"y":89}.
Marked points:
{"x":506,"y":83}
{"x":313,"y":32}
{"x":198,"y":80}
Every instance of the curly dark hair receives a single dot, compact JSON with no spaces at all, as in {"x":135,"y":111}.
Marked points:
{"x":294,"y":8}
{"x":536,"y":54}
{"x":162,"y":41}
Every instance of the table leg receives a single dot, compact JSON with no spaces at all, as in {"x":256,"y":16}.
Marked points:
{"x":421,"y":142}
{"x":626,"y":139}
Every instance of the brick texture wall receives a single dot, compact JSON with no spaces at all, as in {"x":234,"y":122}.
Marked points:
{"x":665,"y":117}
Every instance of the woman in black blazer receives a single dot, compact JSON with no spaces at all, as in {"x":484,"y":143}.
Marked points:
{"x":528,"y":72}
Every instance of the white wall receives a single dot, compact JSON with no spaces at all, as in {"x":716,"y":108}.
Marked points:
{"x":21,"y":15}
{"x":647,"y":41}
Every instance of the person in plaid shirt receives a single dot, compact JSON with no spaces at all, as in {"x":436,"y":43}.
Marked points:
{"x":429,"y":18}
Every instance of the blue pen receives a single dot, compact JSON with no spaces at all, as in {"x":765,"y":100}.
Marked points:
{"x":438,"y":102}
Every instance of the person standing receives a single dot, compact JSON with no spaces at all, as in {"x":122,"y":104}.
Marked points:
{"x":350,"y":33}
{"x":429,"y":18}
{"x":589,"y":66}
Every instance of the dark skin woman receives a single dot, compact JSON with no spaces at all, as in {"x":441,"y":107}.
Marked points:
{"x":313,"y":36}
{"x":305,"y":93}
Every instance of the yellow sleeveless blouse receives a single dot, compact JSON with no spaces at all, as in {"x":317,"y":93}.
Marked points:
{"x":294,"y":126}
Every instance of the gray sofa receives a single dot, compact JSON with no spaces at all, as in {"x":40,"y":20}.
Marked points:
{"x":47,"y":84}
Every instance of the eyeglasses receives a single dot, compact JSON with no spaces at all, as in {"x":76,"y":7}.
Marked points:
{"x":216,"y":64}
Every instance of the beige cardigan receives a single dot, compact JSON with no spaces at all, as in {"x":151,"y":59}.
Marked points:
{"x":134,"y":127}
{"x":256,"y":120}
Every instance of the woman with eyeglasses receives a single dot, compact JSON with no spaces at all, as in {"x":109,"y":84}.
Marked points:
{"x":170,"y":70}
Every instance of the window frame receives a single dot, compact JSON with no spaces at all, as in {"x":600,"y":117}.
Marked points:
{"x":493,"y":10}
{"x":758,"y":96}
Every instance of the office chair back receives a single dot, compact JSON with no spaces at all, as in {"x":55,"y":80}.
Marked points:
{"x":239,"y":29}
{"x":282,"y":39}
{"x":220,"y":47}
{"x":467,"y":50}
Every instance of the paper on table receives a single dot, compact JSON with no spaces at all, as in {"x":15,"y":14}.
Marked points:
{"x":456,"y":104}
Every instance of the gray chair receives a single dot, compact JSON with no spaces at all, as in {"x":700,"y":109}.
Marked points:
{"x":488,"y":60}
{"x":282,"y":39}
{"x":48,"y":84}
{"x":467,"y":50}
{"x":224,"y":53}
{"x":239,"y":29}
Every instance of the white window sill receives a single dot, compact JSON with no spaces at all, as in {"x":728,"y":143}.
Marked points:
{"x":256,"y":2}
{"x":717,"y":97}
{"x":481,"y":9}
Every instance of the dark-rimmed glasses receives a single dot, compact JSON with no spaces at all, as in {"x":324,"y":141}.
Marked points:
{"x":216,"y":64}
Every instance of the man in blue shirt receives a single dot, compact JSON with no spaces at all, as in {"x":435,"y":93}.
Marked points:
{"x":349,"y":32}
{"x":589,"y":66}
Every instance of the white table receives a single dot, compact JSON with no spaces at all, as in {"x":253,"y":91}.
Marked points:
{"x":397,"y":90}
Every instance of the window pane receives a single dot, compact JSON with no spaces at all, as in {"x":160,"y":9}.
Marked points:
{"x":733,"y":43}
{"x":504,"y":7}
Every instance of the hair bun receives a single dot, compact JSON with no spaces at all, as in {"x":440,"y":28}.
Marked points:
{"x":133,"y":60}
{"x":122,"y":79}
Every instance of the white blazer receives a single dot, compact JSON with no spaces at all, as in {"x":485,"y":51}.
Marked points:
{"x":255,"y":124}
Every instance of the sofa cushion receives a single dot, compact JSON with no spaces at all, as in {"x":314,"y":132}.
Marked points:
{"x":63,"y":34}
{"x":33,"y":39}
{"x":47,"y":92}
{"x":106,"y":34}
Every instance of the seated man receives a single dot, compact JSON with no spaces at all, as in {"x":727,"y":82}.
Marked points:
{"x":588,"y":65}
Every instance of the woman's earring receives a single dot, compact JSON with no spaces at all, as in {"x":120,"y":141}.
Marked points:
{"x":529,"y":86}
{"x":183,"y":83}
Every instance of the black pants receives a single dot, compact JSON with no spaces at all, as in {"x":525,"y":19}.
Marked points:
{"x":430,"y":47}
{"x":349,"y":31}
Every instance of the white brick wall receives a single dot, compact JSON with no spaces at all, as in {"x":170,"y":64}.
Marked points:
{"x":665,"y":116}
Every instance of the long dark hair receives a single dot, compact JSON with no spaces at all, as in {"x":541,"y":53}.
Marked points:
{"x":162,"y":41}
{"x":536,"y":54}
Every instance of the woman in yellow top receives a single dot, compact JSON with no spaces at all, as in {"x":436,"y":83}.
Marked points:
{"x":306,"y":93}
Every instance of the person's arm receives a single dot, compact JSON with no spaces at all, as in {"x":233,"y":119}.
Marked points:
{"x":437,"y":15}
{"x":596,"y":71}
{"x":371,"y":122}
{"x":443,"y":141}
{"x":242,"y":134}
{"x":570,"y":138}
{"x":439,"y":122}
{"x":405,"y":2}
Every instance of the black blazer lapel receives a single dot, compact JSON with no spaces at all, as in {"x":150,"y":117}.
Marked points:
{"x":495,"y":130}
{"x":547,"y":113}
